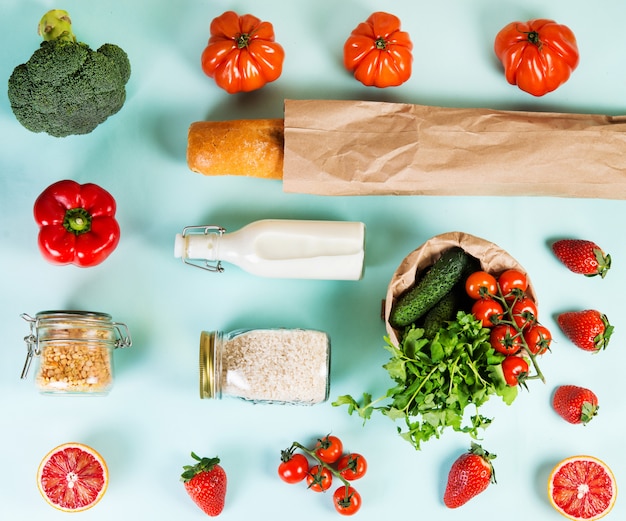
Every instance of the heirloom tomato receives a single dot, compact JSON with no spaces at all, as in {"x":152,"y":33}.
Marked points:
{"x":538,"y":56}
{"x":241,"y":54}
{"x":378,"y":52}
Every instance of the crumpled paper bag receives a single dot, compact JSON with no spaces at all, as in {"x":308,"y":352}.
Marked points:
{"x":492,"y":259}
{"x":378,"y":148}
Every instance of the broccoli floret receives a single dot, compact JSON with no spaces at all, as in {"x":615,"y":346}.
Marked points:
{"x":65,"y":87}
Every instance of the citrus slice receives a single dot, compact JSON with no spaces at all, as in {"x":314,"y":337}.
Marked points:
{"x":582,"y":488}
{"x":72,"y":477}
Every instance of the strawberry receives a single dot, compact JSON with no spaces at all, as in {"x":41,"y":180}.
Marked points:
{"x":575,"y":404}
{"x":470,"y":475}
{"x":581,"y":256}
{"x":205,"y":482}
{"x":588,"y":329}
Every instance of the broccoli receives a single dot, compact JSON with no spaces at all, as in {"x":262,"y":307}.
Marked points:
{"x":65,"y":87}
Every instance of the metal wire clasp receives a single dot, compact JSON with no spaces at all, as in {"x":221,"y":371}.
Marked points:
{"x":206,"y":230}
{"x":32,"y":344}
{"x":33,"y":347}
{"x":123,"y":335}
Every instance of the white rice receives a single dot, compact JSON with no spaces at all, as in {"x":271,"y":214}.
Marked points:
{"x":277,"y":365}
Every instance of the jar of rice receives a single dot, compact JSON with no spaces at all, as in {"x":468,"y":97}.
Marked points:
{"x":74,"y":351}
{"x":265,"y":365}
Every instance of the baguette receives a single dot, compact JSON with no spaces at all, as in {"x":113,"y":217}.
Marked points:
{"x":246,"y":147}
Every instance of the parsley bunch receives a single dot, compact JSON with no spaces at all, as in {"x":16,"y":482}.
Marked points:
{"x":437,"y":379}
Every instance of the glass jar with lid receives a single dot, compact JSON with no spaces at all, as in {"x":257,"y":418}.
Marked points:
{"x":73,"y":351}
{"x":266,"y":365}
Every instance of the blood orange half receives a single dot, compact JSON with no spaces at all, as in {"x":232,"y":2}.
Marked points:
{"x":72,"y":477}
{"x":582,"y":488}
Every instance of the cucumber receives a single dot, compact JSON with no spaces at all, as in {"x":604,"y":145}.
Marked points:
{"x":430,"y":289}
{"x":442,"y":312}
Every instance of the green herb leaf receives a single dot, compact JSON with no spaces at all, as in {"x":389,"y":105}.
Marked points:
{"x":436,"y":380}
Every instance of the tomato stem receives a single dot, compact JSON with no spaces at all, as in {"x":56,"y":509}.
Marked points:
{"x":508,"y":306}
{"x":533,"y":37}
{"x":243,"y":40}
{"x":77,"y":221}
{"x":312,"y":453}
{"x":380,"y":43}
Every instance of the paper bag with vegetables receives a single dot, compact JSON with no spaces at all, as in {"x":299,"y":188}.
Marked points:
{"x":438,"y":372}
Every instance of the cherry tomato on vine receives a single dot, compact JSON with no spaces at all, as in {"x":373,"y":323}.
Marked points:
{"x":329,"y":449}
{"x":524,"y":312}
{"x":486,"y":310}
{"x":480,"y":284}
{"x":319,"y":478}
{"x":515,"y":370}
{"x":538,"y":339}
{"x":347,"y":500}
{"x":505,"y":339}
{"x":512,"y":283}
{"x":294,"y":469}
{"x":352,"y":466}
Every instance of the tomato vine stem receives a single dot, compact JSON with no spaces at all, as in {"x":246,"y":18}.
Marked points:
{"x":321,"y":463}
{"x":508,"y":306}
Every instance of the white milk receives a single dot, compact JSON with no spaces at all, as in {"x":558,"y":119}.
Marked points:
{"x":332,"y":250}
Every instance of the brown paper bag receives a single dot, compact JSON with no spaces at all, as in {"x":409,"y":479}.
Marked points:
{"x":376,"y":148}
{"x":492,"y":259}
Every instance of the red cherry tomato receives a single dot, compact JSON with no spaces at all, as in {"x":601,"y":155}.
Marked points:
{"x":347,"y":500}
{"x":487,"y":310}
{"x":515,"y":370}
{"x":538,"y":339}
{"x":505,"y":339}
{"x":512,"y":283}
{"x":480,"y":284}
{"x":329,"y":449}
{"x":524,"y":312}
{"x":319,"y":478}
{"x":352,"y":466}
{"x":294,"y":469}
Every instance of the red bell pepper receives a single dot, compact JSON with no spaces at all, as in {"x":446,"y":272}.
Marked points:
{"x":77,"y":223}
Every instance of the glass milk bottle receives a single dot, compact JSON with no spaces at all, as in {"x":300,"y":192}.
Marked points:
{"x":331,"y":250}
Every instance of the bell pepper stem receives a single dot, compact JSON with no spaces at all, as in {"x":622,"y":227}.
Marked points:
{"x":77,"y":221}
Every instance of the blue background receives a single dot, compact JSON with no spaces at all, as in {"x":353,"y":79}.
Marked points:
{"x":152,"y":420}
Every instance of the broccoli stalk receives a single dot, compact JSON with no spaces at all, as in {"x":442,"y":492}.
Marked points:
{"x":66,"y":88}
{"x":56,"y":25}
